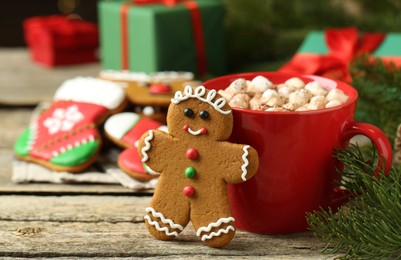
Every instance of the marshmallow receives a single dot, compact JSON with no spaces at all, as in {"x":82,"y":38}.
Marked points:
{"x":336,"y":94}
{"x":225,"y":94}
{"x":240,"y":100}
{"x":308,"y":107}
{"x":237,"y":86}
{"x":316,"y":89}
{"x":333,"y":103}
{"x":285,"y":90}
{"x":320,"y":101}
{"x":298,"y":98}
{"x":255,"y":103}
{"x":260,"y":84}
{"x":295,"y":82}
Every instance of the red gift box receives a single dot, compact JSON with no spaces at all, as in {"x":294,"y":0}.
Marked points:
{"x":58,"y":40}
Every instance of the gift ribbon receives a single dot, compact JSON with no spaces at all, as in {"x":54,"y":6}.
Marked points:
{"x":196,"y":21}
{"x":165,"y":2}
{"x":343,"y":44}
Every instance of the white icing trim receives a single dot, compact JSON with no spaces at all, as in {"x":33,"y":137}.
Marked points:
{"x":91,"y":90}
{"x":117,"y":126}
{"x":214,"y":224}
{"x":147,"y":146}
{"x":124,"y":75}
{"x":214,"y":234}
{"x":149,"y":170}
{"x":163,"y":128}
{"x":64,"y":149}
{"x":192,"y":132}
{"x":172,"y":76}
{"x":198,"y":93}
{"x":144,"y":77}
{"x":163,"y":219}
{"x":148,"y":111}
{"x":161,"y":229}
{"x":246,"y":162}
{"x":33,"y":134}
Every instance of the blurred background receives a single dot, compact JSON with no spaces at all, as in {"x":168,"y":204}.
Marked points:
{"x":260,"y":34}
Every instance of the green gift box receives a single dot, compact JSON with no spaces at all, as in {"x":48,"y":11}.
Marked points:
{"x":389,"y":48}
{"x":187,"y":36}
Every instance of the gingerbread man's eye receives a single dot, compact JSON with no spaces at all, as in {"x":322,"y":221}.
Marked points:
{"x":203,"y":114}
{"x":188,"y":112}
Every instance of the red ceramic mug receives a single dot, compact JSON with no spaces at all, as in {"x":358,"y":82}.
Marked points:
{"x":296,"y":164}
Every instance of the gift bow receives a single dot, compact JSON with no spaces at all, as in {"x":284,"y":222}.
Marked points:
{"x":343,"y":44}
{"x":165,"y":2}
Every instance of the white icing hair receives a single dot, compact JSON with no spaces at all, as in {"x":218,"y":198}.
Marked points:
{"x":198,"y":93}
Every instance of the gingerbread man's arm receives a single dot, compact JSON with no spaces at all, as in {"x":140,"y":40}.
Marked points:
{"x":243,"y":164}
{"x":154,"y":149}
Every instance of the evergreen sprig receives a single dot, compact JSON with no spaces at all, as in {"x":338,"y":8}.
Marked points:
{"x":369,"y":226}
{"x":379,"y":88}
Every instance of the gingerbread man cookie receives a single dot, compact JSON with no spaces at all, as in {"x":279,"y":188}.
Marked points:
{"x":195,"y":162}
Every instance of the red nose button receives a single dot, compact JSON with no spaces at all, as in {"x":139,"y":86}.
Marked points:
{"x":192,"y":153}
{"x":159,"y":88}
{"x":188,"y":191}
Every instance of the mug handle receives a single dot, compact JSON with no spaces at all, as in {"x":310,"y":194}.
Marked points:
{"x":380,"y":141}
{"x":378,"y":138}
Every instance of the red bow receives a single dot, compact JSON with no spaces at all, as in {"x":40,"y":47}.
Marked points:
{"x":343,"y":45}
{"x":147,"y":2}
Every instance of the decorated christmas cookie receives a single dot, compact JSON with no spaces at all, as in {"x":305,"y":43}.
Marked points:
{"x":150,"y":93}
{"x":195,"y":162}
{"x":64,"y":137}
{"x":125,"y":129}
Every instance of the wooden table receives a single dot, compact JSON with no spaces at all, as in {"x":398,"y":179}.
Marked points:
{"x":82,"y":221}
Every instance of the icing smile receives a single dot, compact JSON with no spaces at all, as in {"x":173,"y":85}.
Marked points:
{"x":202,"y":131}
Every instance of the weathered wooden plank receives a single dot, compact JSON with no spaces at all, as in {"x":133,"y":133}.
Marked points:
{"x":124,"y":239}
{"x":12,"y":122}
{"x":112,"y":226}
{"x":111,"y":209}
{"x":23,"y":82}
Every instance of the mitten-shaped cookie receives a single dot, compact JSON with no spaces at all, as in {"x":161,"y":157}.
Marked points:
{"x":64,"y":137}
{"x":125,"y":129}
{"x":195,"y":162}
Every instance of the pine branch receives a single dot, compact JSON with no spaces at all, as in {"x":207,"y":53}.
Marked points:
{"x":379,"y":88}
{"x":369,"y":226}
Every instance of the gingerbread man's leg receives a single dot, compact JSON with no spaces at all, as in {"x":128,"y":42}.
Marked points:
{"x":167,"y":215}
{"x":214,"y":226}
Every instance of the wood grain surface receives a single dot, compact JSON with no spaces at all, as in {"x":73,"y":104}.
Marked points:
{"x":23,"y":82}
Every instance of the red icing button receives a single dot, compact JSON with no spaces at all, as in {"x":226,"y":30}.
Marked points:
{"x":192,"y":153}
{"x":188,"y":191}
{"x":159,"y":88}
{"x":203,"y":131}
{"x":185,"y":128}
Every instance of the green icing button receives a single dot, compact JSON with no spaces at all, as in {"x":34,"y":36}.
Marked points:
{"x":21,"y":146}
{"x":76,"y":156}
{"x":190,"y":172}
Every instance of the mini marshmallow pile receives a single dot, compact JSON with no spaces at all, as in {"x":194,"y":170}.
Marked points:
{"x":292,"y":95}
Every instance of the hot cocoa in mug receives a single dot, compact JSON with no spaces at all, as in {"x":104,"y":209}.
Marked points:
{"x":297,"y":170}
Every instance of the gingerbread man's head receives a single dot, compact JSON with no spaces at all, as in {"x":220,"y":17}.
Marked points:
{"x":199,"y":113}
